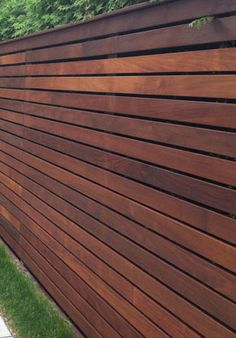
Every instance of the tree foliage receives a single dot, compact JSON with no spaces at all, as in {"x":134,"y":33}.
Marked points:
{"x":21,"y":17}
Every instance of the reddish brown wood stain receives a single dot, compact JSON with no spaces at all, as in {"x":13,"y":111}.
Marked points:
{"x":117,"y":172}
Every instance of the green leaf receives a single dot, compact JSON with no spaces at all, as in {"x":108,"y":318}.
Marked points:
{"x":198,"y":23}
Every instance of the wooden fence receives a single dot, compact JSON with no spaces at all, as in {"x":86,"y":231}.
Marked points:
{"x":118,"y":173}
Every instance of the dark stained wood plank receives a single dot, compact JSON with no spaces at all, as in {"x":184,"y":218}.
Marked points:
{"x":10,"y":228}
{"x":125,"y":288}
{"x":6,"y":236}
{"x":208,"y":140}
{"x":119,"y":21}
{"x":13,"y":70}
{"x":62,"y":300}
{"x":213,"y":86}
{"x":63,"y":284}
{"x":210,"y":324}
{"x":89,"y":294}
{"x":222,"y":170}
{"x":156,"y":316}
{"x":227,"y":204}
{"x":179,"y":285}
{"x":13,"y":221}
{"x":18,"y":82}
{"x":129,"y":189}
{"x":18,"y":94}
{"x":191,"y":61}
{"x":123,"y":205}
{"x":13,"y":59}
{"x":153,"y":153}
{"x":193,"y":265}
{"x":206,"y":113}
{"x":72,"y":296}
{"x":196,"y":215}
{"x":66,"y":258}
{"x":113,"y":220}
{"x":203,"y":192}
{"x":124,"y":308}
{"x":220,"y":30}
{"x":193,"y":163}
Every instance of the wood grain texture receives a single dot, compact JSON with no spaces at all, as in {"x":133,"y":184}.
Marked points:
{"x":198,"y":61}
{"x":224,"y":253}
{"x":212,"y":86}
{"x":124,"y":287}
{"x":119,"y":21}
{"x":212,"y":327}
{"x":182,"y":111}
{"x":173,"y":134}
{"x":220,"y":30}
{"x":227,"y":282}
{"x":117,"y":168}
{"x":212,"y":223}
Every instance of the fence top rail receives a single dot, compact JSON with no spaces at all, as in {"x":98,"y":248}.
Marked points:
{"x":117,"y":12}
{"x":143,"y":16}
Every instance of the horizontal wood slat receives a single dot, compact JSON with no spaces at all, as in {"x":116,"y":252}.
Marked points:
{"x":197,"y":61}
{"x":204,"y":113}
{"x":153,"y":248}
{"x":183,"y":136}
{"x":210,"y":327}
{"x":212,"y":86}
{"x":142,"y":17}
{"x":219,"y":31}
{"x":117,"y":168}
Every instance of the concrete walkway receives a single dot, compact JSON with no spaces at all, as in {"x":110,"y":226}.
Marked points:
{"x":4,"y":331}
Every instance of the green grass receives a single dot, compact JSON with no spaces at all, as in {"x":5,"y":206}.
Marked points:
{"x":28,"y":311}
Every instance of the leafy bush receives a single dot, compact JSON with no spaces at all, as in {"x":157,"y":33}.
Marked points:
{"x":20,"y":17}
